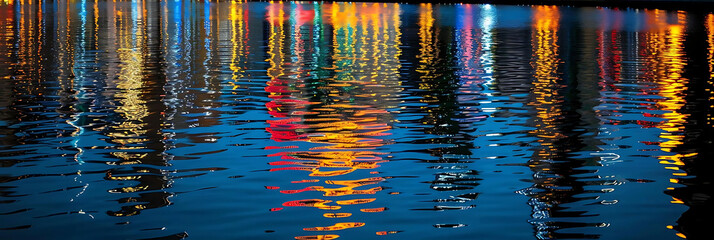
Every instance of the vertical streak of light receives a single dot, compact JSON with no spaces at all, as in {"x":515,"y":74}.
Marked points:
{"x":208,"y":30}
{"x":710,"y":57}
{"x":68,"y":49}
{"x":79,"y":77}
{"x":317,"y":33}
{"x":666,"y":64}
{"x":132,"y":107}
{"x":469,"y":56}
{"x":673,"y":85}
{"x":673,"y":88}
{"x":275,"y":46}
{"x":488,"y":19}
{"x":427,"y":52}
{"x":22,"y":30}
{"x":468,"y":49}
{"x":297,"y":43}
{"x":548,"y":106}
{"x":96,"y":24}
{"x":545,"y":68}
{"x":40,"y":31}
{"x":237,"y":50}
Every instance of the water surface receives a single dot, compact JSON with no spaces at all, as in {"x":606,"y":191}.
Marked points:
{"x":147,"y":119}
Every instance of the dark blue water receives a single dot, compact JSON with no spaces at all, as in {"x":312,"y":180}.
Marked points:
{"x":148,"y":119}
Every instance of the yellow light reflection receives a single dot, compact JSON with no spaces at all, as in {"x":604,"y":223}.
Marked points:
{"x":427,"y":51}
{"x":239,"y":39}
{"x":548,"y":103}
{"x":709,"y":23}
{"x":133,"y":128}
{"x":343,"y":113}
{"x":549,"y":183}
{"x":318,"y":237}
{"x":665,"y":62}
{"x":132,"y":107}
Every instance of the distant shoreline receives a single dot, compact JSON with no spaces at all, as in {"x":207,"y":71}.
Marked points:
{"x":696,"y":5}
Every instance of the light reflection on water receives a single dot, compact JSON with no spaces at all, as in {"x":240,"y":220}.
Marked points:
{"x":338,"y":109}
{"x":353,"y":120}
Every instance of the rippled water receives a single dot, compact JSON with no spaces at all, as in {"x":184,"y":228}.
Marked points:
{"x":145,"y":119}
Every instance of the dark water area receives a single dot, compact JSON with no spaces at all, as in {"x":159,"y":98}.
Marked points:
{"x":182,"y":119}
